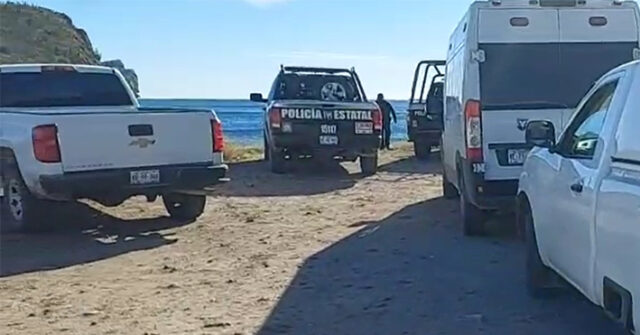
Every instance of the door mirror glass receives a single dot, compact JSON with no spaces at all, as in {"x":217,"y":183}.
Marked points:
{"x":541,"y":134}
{"x":256,"y":97}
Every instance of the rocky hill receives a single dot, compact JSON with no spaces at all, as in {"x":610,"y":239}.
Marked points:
{"x":32,"y":34}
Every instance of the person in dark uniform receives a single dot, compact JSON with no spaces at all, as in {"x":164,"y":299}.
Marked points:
{"x":387,"y":113}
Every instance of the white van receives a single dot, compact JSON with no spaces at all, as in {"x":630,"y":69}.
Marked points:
{"x":511,"y":61}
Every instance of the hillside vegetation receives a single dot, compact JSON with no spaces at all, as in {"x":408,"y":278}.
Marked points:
{"x":30,"y":34}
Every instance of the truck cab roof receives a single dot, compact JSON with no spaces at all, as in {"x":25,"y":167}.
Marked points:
{"x":40,"y":67}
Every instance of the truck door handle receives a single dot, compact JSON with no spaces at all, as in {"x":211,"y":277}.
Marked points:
{"x":577,"y":187}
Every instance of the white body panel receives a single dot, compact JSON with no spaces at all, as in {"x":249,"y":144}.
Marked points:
{"x":504,"y":128}
{"x":102,"y":141}
{"x":98,"y":138}
{"x":486,"y":24}
{"x":592,"y":235}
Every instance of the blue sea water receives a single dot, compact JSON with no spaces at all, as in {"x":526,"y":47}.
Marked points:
{"x":242,"y":119}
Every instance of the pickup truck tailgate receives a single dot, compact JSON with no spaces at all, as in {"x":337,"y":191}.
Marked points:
{"x":102,"y":141}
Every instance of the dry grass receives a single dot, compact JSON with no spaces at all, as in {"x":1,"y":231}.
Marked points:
{"x":238,"y":153}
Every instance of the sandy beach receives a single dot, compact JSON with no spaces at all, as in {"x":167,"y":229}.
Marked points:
{"x":319,"y":251}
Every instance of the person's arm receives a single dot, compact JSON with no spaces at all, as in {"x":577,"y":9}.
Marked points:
{"x":393,"y":112}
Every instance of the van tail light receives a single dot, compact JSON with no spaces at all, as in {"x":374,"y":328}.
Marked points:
{"x":217,"y":135}
{"x":473,"y":127}
{"x":275,"y":118}
{"x":376,"y":116}
{"x":45,"y":144}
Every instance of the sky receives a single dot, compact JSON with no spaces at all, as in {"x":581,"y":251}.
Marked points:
{"x":227,"y":49}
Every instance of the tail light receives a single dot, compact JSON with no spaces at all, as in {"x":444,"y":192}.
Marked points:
{"x":376,"y":116}
{"x":217,"y":136}
{"x":473,"y":131}
{"x":275,"y":119}
{"x":45,"y":144}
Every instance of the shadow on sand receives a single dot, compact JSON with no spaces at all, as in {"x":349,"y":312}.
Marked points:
{"x":412,"y":165}
{"x":87,"y":236}
{"x":415,"y":274}
{"x":307,"y":177}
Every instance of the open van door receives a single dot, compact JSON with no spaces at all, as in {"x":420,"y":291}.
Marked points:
{"x":426,"y":105}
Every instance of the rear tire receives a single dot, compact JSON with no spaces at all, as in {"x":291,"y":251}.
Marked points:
{"x":266,"y":148}
{"x":184,"y":206}
{"x":19,"y":209}
{"x":473,"y":218}
{"x":538,"y":276}
{"x":277,"y":161}
{"x":369,"y":165}
{"x":421,"y":149}
{"x":449,"y":190}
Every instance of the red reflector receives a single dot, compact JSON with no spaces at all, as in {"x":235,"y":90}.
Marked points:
{"x":473,"y":125}
{"x":475,"y":155}
{"x":376,"y":116}
{"x":45,"y":144}
{"x":217,"y":136}
{"x":275,"y":119}
{"x":472,"y":108}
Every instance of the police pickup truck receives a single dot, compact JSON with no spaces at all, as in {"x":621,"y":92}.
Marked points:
{"x":320,"y":113}
{"x":75,"y":131}
{"x":424,"y":114}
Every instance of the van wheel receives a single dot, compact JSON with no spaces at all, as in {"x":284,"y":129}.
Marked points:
{"x":473,"y":218}
{"x":184,"y":206}
{"x":538,"y":276}
{"x":448,"y":189}
{"x":369,"y":165}
{"x":421,"y":149}
{"x":19,"y":209}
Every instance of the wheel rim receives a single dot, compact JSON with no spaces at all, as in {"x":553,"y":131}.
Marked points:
{"x":16,"y":203}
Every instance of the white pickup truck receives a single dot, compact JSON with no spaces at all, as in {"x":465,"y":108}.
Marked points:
{"x":73,"y":131}
{"x":579,"y":199}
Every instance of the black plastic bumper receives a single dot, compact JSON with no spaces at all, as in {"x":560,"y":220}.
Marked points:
{"x":96,"y":183}
{"x":432,"y":136}
{"x":349,"y":146}
{"x":488,"y":194}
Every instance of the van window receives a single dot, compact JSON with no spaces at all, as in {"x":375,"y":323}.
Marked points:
{"x":62,"y":89}
{"x":545,"y":75}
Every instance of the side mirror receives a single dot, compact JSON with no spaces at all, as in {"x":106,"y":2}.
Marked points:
{"x":256,"y":97}
{"x":541,"y":134}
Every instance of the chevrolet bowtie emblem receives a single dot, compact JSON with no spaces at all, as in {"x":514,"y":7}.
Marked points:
{"x":142,"y":143}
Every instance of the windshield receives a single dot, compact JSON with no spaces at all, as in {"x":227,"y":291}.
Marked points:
{"x":61,"y":89}
{"x":539,"y":76}
{"x":336,"y":88}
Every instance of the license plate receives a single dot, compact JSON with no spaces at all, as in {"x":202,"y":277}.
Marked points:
{"x":364,"y":128}
{"x":517,"y":156}
{"x":328,"y":140}
{"x":145,"y":177}
{"x":329,"y":129}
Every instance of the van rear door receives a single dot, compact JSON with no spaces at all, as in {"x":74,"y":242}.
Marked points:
{"x":538,"y":65}
{"x":516,"y":83}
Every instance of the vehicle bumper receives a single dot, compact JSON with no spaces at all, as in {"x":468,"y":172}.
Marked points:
{"x":349,"y":148}
{"x":97,"y":183}
{"x":489,"y":194}
{"x":425,"y":135}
